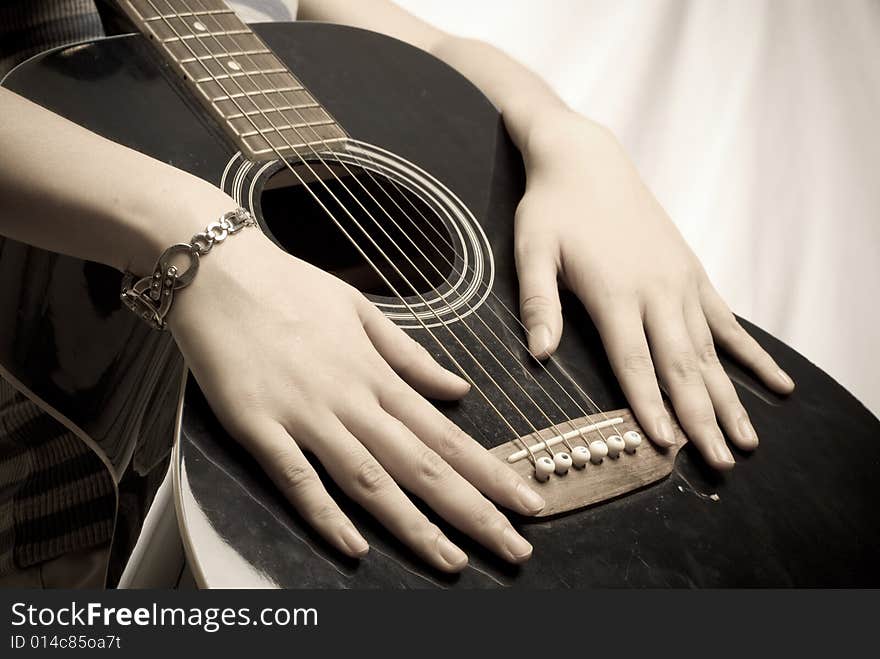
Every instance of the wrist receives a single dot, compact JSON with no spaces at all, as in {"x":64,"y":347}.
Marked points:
{"x":559,"y":132}
{"x":152,"y":296}
{"x":172,"y":214}
{"x":226,"y":276}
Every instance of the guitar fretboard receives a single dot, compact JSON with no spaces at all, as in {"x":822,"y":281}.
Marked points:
{"x":264,"y":108}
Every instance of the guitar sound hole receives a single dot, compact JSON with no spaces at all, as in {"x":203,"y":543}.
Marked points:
{"x":404,"y":228}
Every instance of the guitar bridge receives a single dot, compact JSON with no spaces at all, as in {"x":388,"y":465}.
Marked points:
{"x":584,"y":461}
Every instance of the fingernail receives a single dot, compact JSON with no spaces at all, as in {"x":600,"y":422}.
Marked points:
{"x":663,"y":432}
{"x":539,"y":340}
{"x":747,"y":432}
{"x":784,"y":379}
{"x":454,"y":556}
{"x":354,"y":541}
{"x":464,"y":384}
{"x":516,"y":545}
{"x":530,"y":500}
{"x":723,"y":455}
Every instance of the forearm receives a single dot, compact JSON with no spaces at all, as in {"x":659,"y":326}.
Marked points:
{"x":526,"y":102}
{"x":68,"y":190}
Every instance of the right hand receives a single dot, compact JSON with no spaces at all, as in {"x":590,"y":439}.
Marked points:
{"x":292,"y":359}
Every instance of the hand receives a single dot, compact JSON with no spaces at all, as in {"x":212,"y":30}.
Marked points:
{"x":588,"y":219}
{"x":292,"y":359}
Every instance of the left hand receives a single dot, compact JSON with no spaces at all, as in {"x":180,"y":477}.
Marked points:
{"x":589,"y":220}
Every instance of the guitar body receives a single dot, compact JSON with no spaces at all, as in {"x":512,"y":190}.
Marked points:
{"x":800,"y":511}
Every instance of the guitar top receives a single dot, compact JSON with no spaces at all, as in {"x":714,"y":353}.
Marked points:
{"x":798,"y":512}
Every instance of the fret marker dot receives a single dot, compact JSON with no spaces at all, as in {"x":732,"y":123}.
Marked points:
{"x":232,"y":64}
{"x":198,"y":25}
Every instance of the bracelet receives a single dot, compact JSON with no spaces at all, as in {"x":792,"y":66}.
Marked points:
{"x":151,"y":297}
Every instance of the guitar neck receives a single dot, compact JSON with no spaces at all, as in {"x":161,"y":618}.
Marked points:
{"x":264,"y":109}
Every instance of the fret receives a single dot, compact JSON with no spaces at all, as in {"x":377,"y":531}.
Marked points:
{"x":145,"y":9}
{"x":184,"y":37}
{"x":259,"y":103}
{"x":209,"y":12}
{"x":267,"y":91}
{"x":298,"y":147}
{"x":149,"y":9}
{"x":175,"y":27}
{"x":190,"y":28}
{"x":227,"y":76}
{"x":160,"y":11}
{"x":297,"y":128}
{"x":269,"y":120}
{"x":227,"y":66}
{"x":182,"y":6}
{"x":207,"y":49}
{"x":234,"y":53}
{"x":267,"y":145}
{"x":283,"y":108}
{"x":250,"y":92}
{"x":232,"y":89}
{"x":215,"y":68}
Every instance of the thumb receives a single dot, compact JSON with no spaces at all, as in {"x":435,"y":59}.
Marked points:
{"x":539,"y":296}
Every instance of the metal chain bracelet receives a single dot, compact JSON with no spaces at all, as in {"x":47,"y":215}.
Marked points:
{"x":151,"y":297}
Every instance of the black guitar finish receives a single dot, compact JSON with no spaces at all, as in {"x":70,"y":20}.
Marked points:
{"x":800,"y":511}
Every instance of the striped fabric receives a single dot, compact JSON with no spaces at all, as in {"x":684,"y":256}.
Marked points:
{"x":55,"y":494}
{"x":28,"y":27}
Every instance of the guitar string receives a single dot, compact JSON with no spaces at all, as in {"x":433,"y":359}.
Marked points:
{"x":355,"y":244}
{"x":552,"y":358}
{"x":554,"y":425}
{"x":415,"y":224}
{"x":348,"y":235}
{"x":466,"y":267}
{"x":412,"y":221}
{"x":248,"y":75}
{"x":451,"y":264}
{"x":506,"y":326}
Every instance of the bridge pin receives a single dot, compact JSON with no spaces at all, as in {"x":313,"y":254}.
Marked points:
{"x":580,"y":456}
{"x":562,"y":462}
{"x":598,"y":450}
{"x":543,"y":468}
{"x":631,"y":440}
{"x":616,"y":444}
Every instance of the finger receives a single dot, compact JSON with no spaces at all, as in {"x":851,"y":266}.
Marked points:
{"x":363,"y":479}
{"x":424,"y":473}
{"x":486,"y":472}
{"x":678,"y":367}
{"x":731,"y":336}
{"x":409,"y":359}
{"x":284,"y":463}
{"x":623,"y":336}
{"x":539,"y":305}
{"x":728,"y":408}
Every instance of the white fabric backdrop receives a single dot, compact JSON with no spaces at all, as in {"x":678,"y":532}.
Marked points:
{"x":754,"y":123}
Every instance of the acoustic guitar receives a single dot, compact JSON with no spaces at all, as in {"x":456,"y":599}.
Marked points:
{"x":384,"y":166}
